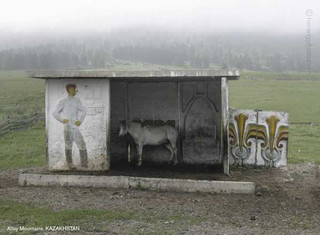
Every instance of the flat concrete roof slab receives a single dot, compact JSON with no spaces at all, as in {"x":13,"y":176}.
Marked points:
{"x":204,"y":74}
{"x":125,"y":182}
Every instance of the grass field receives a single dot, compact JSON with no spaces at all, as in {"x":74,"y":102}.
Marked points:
{"x":293,"y":92}
{"x":33,"y":216}
{"x":265,"y":91}
{"x":20,"y":96}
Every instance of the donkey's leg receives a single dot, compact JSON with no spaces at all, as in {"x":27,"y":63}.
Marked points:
{"x":139,"y":149}
{"x":173,"y":144}
{"x":175,"y":155}
{"x":169,"y":147}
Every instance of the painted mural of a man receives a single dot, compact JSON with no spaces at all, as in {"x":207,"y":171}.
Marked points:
{"x":71,"y":113}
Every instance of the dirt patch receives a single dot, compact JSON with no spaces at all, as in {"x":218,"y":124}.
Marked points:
{"x":287,"y":201}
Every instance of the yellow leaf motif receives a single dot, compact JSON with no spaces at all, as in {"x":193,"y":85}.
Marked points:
{"x":272,"y":123}
{"x":283,"y":133}
{"x":257,"y":132}
{"x":241,"y":121}
{"x":232,"y":134}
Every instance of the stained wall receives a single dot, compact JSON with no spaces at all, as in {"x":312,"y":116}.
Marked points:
{"x":94,"y":94}
{"x":258,"y":138}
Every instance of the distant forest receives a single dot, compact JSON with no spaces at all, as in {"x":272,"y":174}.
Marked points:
{"x":252,"y":51}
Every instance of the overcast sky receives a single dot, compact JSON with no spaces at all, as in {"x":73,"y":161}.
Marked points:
{"x":249,"y":15}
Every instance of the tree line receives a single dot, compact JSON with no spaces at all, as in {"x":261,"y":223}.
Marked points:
{"x":242,"y":51}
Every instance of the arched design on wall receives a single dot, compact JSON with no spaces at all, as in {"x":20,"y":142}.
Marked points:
{"x":200,"y":139}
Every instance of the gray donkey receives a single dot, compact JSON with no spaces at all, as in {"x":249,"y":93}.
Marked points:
{"x":152,"y":135}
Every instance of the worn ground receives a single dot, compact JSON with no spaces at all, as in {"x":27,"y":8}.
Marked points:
{"x":287,"y":202}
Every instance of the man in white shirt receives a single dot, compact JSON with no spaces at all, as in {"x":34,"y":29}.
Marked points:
{"x":71,"y":113}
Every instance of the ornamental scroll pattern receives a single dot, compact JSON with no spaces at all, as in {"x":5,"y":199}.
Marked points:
{"x":258,"y":138}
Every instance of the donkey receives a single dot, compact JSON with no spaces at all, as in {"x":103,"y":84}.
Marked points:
{"x":152,"y":135}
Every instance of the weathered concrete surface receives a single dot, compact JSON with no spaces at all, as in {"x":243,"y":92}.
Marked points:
{"x":73,"y":180}
{"x":258,"y":137}
{"x":192,"y":185}
{"x":141,"y":75}
{"x":224,"y":124}
{"x":116,"y":182}
{"x":94,"y":95}
{"x":200,"y":114}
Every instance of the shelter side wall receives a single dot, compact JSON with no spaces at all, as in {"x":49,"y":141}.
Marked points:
{"x":224,"y":125}
{"x":118,"y":145}
{"x":200,"y":117}
{"x":91,"y":105}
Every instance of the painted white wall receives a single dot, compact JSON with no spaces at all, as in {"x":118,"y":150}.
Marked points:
{"x":95,"y":96}
{"x":252,"y":118}
{"x":284,"y":121}
{"x":259,"y":117}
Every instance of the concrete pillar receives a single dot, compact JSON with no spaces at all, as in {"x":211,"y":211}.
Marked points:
{"x":225,"y":124}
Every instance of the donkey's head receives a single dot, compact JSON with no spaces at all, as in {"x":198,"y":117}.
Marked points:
{"x":123,"y":129}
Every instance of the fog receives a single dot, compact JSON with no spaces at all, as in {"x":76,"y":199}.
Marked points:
{"x":282,"y":16}
{"x":265,"y":35}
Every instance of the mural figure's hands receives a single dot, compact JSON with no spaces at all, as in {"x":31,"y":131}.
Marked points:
{"x":77,"y":123}
{"x":65,"y":121}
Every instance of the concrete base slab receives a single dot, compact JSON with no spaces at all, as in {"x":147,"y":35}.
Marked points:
{"x":124,"y":182}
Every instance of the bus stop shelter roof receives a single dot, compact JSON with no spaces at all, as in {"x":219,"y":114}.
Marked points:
{"x":139,"y":75}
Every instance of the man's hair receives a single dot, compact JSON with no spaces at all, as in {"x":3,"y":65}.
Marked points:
{"x":70,"y":86}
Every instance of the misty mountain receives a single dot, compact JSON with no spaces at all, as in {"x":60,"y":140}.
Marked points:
{"x":252,"y":51}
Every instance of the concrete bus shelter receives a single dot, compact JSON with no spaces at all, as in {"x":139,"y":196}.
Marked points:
{"x":195,"y":102}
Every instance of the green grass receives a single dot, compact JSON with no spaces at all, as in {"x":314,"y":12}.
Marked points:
{"x":279,"y":76}
{"x":304,"y":142}
{"x":299,"y":98}
{"x":23,"y":148}
{"x":257,"y":90}
{"x":17,"y":214}
{"x":20,"y":95}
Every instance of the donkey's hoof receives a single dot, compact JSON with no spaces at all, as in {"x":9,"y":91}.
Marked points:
{"x":139,"y":163}
{"x":173,"y":163}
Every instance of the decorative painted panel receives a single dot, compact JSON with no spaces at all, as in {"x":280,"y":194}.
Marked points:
{"x":77,"y":115}
{"x":258,"y":137}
